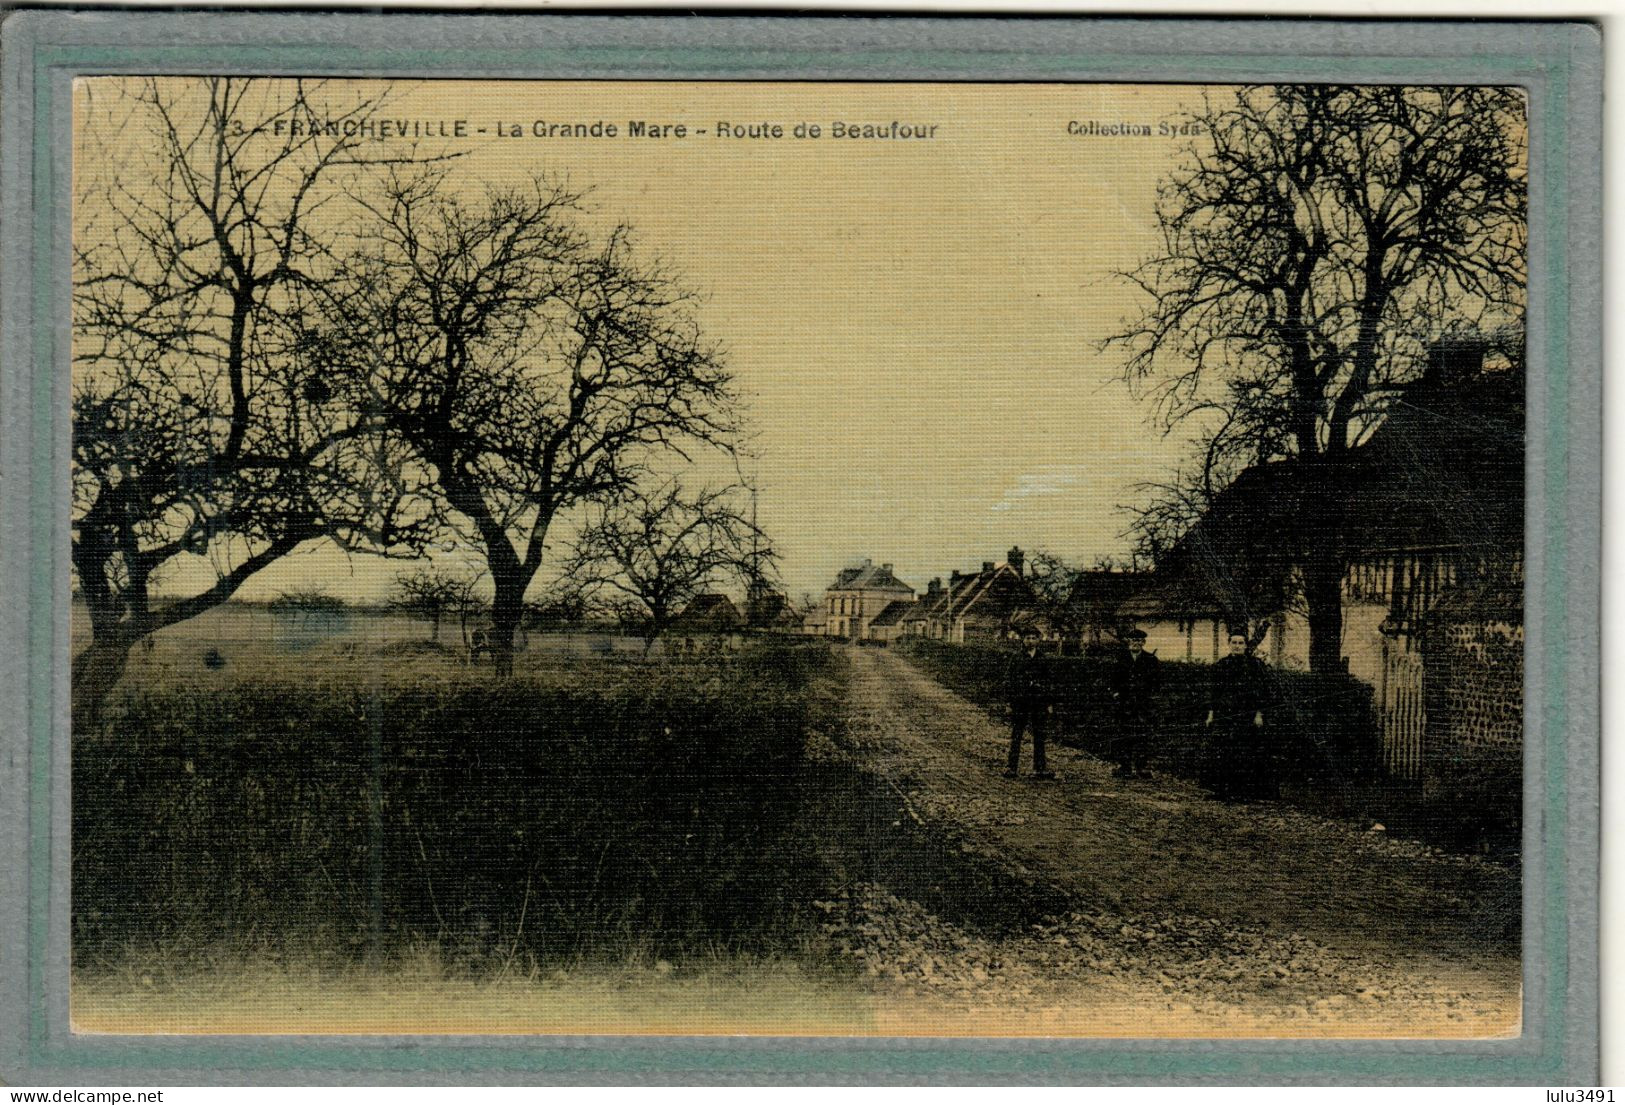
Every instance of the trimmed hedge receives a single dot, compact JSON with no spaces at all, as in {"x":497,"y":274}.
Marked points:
{"x":658,"y":802}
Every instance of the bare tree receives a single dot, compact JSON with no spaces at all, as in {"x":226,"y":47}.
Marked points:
{"x":431,"y":591}
{"x":204,"y":420}
{"x":654,"y":551}
{"x":1062,"y":594}
{"x":1313,"y":243}
{"x":1077,"y":602}
{"x":528,"y":371}
{"x":1220,"y":542}
{"x":562,"y":608}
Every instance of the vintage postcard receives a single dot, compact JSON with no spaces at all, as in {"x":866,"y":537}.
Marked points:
{"x":819,"y":558}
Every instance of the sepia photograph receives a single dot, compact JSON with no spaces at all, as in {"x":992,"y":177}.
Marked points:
{"x":795,"y":558}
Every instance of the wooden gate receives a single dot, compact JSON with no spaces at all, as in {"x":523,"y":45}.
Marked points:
{"x":1404,"y":715}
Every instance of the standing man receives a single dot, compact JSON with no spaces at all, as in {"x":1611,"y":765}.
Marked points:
{"x":1030,"y":694}
{"x":1136,"y":679}
{"x":1240,"y":703}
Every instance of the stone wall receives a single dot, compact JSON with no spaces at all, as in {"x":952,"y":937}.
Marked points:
{"x":1473,"y":748}
{"x":1475,"y":706}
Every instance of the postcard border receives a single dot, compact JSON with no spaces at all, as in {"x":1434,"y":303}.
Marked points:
{"x":1559,"y":64}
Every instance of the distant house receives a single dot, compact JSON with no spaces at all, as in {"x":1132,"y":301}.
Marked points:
{"x":915,"y":620}
{"x":711,"y":612}
{"x":769,"y":611}
{"x":1082,"y":607}
{"x":1233,"y":569}
{"x":857,"y":597}
{"x":975,"y":606}
{"x":1180,"y":619}
{"x":815,"y":622}
{"x":710,"y":621}
{"x":887,"y":626}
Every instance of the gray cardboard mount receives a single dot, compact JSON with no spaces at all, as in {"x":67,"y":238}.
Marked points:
{"x":1560,"y":66}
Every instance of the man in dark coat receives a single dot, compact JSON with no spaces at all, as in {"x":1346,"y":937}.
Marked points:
{"x":1241,"y":702}
{"x":1029,"y":689}
{"x":1136,"y":679}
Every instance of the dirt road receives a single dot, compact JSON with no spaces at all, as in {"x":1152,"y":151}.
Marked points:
{"x":1166,"y":901}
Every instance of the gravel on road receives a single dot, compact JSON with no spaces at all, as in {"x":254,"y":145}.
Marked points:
{"x":1183,"y":915}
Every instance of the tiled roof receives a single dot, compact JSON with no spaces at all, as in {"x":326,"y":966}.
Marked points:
{"x":870,"y":577}
{"x":919,"y":611}
{"x":1180,"y":596}
{"x":893,"y":614}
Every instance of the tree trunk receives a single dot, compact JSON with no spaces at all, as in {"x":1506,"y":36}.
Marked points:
{"x":506,"y":608}
{"x":95,"y":672}
{"x":1324,"y":550}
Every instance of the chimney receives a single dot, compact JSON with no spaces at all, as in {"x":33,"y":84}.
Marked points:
{"x":1015,"y":558}
{"x":954,"y":577}
{"x":987,"y":566}
{"x":885,"y":567}
{"x":867,"y":563}
{"x":934,"y":587}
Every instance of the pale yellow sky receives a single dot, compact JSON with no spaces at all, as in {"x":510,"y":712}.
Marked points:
{"x":913,"y":321}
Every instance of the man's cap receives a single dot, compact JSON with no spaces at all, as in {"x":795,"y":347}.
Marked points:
{"x":1134,"y":635}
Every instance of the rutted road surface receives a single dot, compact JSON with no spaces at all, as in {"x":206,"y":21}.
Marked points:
{"x":1177,"y":914}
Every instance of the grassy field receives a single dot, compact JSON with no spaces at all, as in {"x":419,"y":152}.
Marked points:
{"x":341,"y":806}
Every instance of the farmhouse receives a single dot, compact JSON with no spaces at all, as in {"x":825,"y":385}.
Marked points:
{"x":710,"y":621}
{"x":1432,"y":592}
{"x":769,"y":611}
{"x":974,"y":606}
{"x":856,"y":598}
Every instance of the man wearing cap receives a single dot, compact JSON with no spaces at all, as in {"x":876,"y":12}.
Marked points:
{"x":1136,"y":679}
{"x":1029,"y":691}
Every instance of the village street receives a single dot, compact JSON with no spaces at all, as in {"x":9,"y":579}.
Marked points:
{"x":1161,"y":909}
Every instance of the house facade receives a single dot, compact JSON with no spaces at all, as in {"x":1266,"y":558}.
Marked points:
{"x":855,"y":600}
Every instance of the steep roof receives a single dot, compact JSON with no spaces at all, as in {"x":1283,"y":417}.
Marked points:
{"x":991,"y":595}
{"x":1177,"y":596}
{"x":1444,"y":471}
{"x":869,"y":577}
{"x":709,"y":612}
{"x":921,"y":610}
{"x":893,"y":614}
{"x":999,"y":596}
{"x":767,"y":608}
{"x":961,"y":592}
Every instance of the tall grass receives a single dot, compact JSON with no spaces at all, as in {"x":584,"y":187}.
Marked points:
{"x":598,"y":804}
